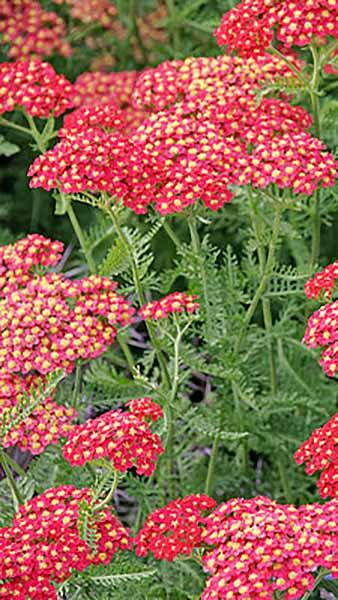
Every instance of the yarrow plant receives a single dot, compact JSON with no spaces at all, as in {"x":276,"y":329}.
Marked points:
{"x":158,"y":365}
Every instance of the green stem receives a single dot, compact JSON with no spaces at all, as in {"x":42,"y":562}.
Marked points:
{"x":128,"y":355}
{"x":139,"y":290}
{"x":17,"y":498}
{"x":290,"y":64}
{"x":7,"y":123}
{"x":265,"y":277}
{"x":171,"y":234}
{"x":173,"y":27}
{"x":19,"y":470}
{"x":284,"y":482}
{"x":313,"y":91}
{"x":318,"y":579}
{"x":76,"y":387}
{"x":212,"y":464}
{"x":110,"y":494}
{"x":169,"y":445}
{"x":196,"y":246}
{"x":79,"y":234}
{"x":135,"y":30}
{"x":266,"y":305}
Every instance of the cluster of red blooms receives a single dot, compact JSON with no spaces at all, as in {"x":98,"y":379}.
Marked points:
{"x":208,"y":133}
{"x":44,"y":543}
{"x":123,"y":437}
{"x":34,"y":86}
{"x":87,"y":11}
{"x":30,"y":30}
{"x":52,"y":322}
{"x":177,"y":302}
{"x":249,"y":27}
{"x":244,"y":143}
{"x":93,"y":160}
{"x":322,"y":330}
{"x":174,"y":529}
{"x":101,"y":116}
{"x":261,"y":547}
{"x":116,"y":89}
{"x":320,"y":453}
{"x":193,"y":79}
{"x":17,"y":261}
{"x":44,"y":425}
{"x":322,"y":282}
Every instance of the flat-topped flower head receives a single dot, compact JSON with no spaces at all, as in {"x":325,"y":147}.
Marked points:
{"x":44,"y":544}
{"x":19,"y":260}
{"x":193,"y":79}
{"x":122,"y":437}
{"x":29,"y":30}
{"x":322,"y":330}
{"x":174,"y":529}
{"x":34,"y":86}
{"x":323,"y":282}
{"x":249,"y":27}
{"x":53,"y":321}
{"x":260,"y":547}
{"x":34,"y":429}
{"x":93,"y":160}
{"x":101,"y":116}
{"x":177,"y":302}
{"x":320,"y":453}
{"x":292,"y":160}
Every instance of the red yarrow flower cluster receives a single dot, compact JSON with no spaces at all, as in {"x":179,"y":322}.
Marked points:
{"x":35,"y":87}
{"x":31,"y":31}
{"x":322,"y":283}
{"x":52,"y":322}
{"x":30,"y":429}
{"x":177,"y":302}
{"x":18,"y":261}
{"x":322,"y":330}
{"x":249,"y":27}
{"x":320,"y":453}
{"x":102,"y":116}
{"x":296,"y":161}
{"x":94,"y":160}
{"x":89,"y":11}
{"x":212,"y":136}
{"x":44,"y":543}
{"x":261,"y":547}
{"x":97,"y":87}
{"x":174,"y":529}
{"x":193,"y":79}
{"x":123,"y":437}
